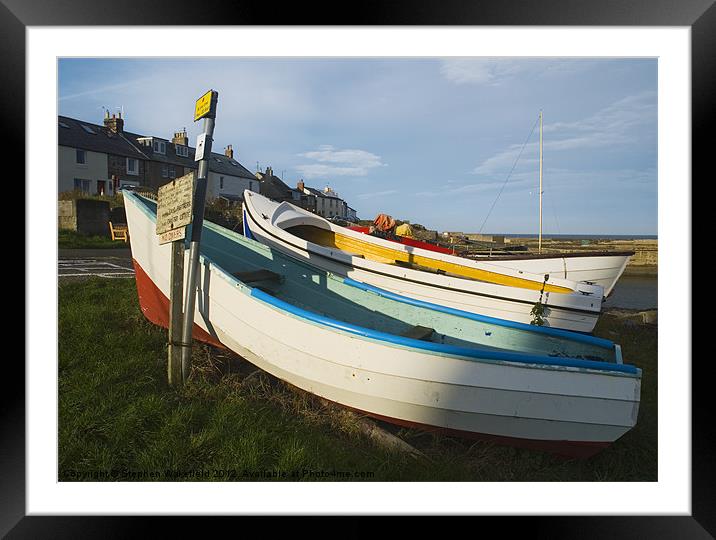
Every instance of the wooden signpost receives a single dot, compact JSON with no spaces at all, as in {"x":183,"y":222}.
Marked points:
{"x":175,"y":203}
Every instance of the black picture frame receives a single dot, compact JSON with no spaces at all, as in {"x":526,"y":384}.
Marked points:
{"x":699,"y":15}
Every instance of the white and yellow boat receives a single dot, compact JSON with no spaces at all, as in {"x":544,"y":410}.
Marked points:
{"x":474,"y":286}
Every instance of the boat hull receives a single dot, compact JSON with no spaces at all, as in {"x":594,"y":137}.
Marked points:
{"x":599,"y":268}
{"x":576,"y":311}
{"x":603,"y":269}
{"x":565,"y":410}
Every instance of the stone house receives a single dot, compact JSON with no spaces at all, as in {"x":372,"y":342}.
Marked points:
{"x":101,"y":159}
{"x":275,"y":188}
{"x":328,"y":202}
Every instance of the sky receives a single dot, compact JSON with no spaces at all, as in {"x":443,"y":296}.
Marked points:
{"x":449,"y":143}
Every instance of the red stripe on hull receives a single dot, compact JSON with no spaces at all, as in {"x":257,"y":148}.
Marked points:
{"x":155,"y":306}
{"x":408,"y":241}
{"x":571,"y":449}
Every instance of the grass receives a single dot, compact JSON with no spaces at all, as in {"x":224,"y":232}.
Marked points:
{"x":67,"y":239}
{"x":119,"y":420}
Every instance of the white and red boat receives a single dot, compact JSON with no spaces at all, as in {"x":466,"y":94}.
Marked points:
{"x":392,"y":357}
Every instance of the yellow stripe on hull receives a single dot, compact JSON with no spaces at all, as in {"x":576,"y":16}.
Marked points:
{"x":375,"y":252}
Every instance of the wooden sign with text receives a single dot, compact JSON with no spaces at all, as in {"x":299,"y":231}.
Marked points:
{"x":175,"y":204}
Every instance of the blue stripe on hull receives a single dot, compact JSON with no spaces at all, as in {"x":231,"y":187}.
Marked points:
{"x":247,"y":231}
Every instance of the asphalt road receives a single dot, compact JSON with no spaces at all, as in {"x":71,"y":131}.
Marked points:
{"x":79,"y":264}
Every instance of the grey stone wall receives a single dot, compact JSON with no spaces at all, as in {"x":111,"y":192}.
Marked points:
{"x":84,"y":216}
{"x":66,"y":215}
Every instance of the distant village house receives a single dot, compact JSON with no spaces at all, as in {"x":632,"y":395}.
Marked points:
{"x":99,"y":160}
{"x":275,"y":188}
{"x":328,"y":202}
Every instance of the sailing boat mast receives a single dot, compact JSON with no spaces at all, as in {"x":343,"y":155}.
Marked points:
{"x":539,"y":244}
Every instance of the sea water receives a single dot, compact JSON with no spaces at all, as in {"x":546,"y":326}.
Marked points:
{"x":634,"y":292}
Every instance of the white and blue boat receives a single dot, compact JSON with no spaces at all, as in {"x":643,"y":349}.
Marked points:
{"x":399,"y":359}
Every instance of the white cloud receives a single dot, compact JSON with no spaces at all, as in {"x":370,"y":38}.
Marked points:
{"x":469,"y":70}
{"x":613,"y":120}
{"x":429,"y":193}
{"x":616,"y":125}
{"x":255,"y":99}
{"x":334,"y":162}
{"x":106,"y":89}
{"x":316,"y":170}
{"x":493,"y":71}
{"x":373,"y":194}
{"x":563,"y":179}
{"x":502,"y":162}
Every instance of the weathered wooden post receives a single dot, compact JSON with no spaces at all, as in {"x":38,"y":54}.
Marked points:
{"x":176,"y":296}
{"x":205,"y":108}
{"x":174,"y":212}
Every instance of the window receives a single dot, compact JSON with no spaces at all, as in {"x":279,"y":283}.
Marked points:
{"x":82,"y":185}
{"x":182,"y":150}
{"x":80,"y":157}
{"x":132,"y":166}
{"x":172,"y":172}
{"x":88,"y":129}
{"x":165,"y":171}
{"x":221,"y":182}
{"x":160,"y":147}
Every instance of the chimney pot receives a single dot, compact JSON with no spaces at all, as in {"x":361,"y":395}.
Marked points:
{"x":181,"y":138}
{"x":114,"y":124}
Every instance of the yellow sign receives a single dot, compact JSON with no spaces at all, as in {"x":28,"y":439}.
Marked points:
{"x":205,"y":105}
{"x":175,"y":204}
